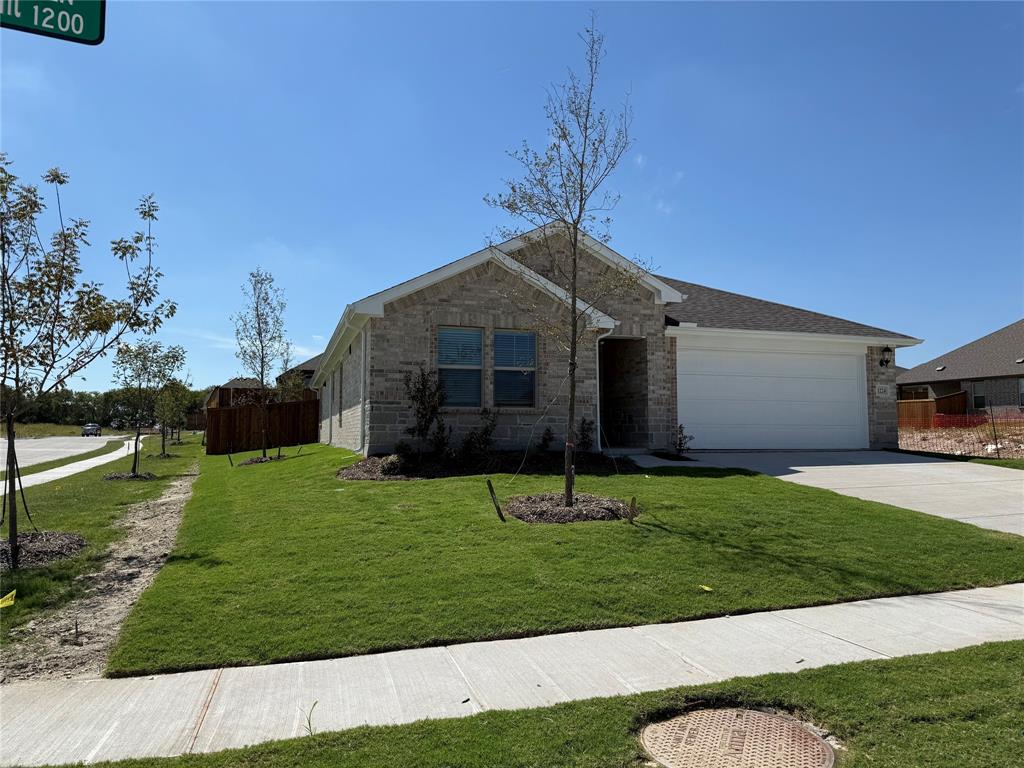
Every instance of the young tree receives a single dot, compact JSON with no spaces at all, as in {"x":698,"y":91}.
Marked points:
{"x":259,"y":333}
{"x":172,"y":404}
{"x":53,"y":324}
{"x":290,"y":385}
{"x":561,"y":195}
{"x":142,"y":369}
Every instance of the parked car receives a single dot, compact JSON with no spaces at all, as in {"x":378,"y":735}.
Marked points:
{"x":91,"y":430}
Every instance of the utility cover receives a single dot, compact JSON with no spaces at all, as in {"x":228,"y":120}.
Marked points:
{"x":734,"y":738}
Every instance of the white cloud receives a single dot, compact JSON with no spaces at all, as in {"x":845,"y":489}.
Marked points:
{"x":677,"y":177}
{"x":214,"y":340}
{"x":304,"y":352}
{"x":640,"y":160}
{"x":317,"y":337}
{"x":662,"y":206}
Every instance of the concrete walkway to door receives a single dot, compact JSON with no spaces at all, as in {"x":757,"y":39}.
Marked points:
{"x":980,"y":494}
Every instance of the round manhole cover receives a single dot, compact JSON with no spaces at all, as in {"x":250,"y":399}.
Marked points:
{"x":734,"y":738}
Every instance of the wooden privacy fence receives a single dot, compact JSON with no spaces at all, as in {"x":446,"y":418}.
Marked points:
{"x":920,"y":414}
{"x":231,"y":430}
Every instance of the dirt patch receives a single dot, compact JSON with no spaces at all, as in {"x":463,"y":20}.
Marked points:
{"x":500,"y":462}
{"x":1007,"y":442}
{"x":75,"y":639}
{"x":129,"y":476}
{"x":550,"y":508}
{"x":39,"y":549}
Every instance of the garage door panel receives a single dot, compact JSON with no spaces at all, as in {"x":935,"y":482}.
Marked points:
{"x":740,"y":399}
{"x":758,"y":415}
{"x":766,"y":388}
{"x":717,"y":436}
{"x":769,"y":364}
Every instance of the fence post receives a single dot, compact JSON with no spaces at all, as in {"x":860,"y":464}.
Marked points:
{"x":995,"y":432}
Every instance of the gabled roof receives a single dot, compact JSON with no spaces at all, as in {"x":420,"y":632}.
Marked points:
{"x":1001,"y":353}
{"x":711,"y":308}
{"x":306,"y":366}
{"x":355,"y":314}
{"x":241,"y":382}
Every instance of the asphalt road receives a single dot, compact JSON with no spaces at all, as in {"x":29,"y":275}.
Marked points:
{"x":37,"y":450}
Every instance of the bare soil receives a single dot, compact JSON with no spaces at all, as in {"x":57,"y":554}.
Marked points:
{"x":74,"y":640}
{"x":1007,"y":443}
{"x":261,"y":460}
{"x":550,"y":508}
{"x":39,"y":549}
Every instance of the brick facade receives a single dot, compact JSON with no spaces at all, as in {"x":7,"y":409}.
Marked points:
{"x":883,"y":429}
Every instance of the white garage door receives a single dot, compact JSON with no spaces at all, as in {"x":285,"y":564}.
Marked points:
{"x":745,"y":399}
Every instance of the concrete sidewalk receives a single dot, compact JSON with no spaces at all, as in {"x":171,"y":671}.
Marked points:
{"x":980,"y":494}
{"x":92,"y":720}
{"x":74,"y":468}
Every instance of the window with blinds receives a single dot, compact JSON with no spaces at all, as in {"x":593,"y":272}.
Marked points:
{"x":460,"y":365}
{"x":515,"y":369}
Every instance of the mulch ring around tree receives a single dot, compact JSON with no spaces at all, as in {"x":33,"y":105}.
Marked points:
{"x":261,"y":460}
{"x":39,"y":549}
{"x":129,"y":476}
{"x":550,"y":508}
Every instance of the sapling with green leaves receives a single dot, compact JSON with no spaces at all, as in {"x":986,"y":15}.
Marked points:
{"x":560,"y":199}
{"x":260,"y":339}
{"x":53,"y":322}
{"x":143,"y":369}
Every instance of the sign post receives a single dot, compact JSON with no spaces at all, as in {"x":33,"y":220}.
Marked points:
{"x":77,"y":21}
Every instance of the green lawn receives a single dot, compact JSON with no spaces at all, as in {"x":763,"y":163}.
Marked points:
{"x":83,"y":503}
{"x":47,"y":430}
{"x":947,"y":710}
{"x":110,"y":447}
{"x":283,"y":561}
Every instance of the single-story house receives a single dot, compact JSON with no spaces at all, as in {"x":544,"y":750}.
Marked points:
{"x":990,"y":370}
{"x":737,"y":372}
{"x":237,"y":391}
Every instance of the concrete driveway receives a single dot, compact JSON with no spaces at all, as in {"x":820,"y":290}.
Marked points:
{"x":986,"y":496}
{"x":36,"y":450}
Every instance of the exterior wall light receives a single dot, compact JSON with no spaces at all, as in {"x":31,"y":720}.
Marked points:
{"x":886,"y":357}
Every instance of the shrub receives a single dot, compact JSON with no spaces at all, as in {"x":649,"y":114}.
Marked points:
{"x":404,"y":451}
{"x":392,"y":465}
{"x":585,"y":437}
{"x":479,"y":441}
{"x":546,"y":439}
{"x":441,"y":439}
{"x":427,"y":397}
{"x":683,"y":440}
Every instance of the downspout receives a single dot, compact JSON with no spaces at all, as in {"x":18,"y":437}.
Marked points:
{"x":597,"y":356}
{"x":362,"y":391}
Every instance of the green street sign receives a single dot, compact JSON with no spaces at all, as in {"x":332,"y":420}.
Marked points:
{"x":78,"y":21}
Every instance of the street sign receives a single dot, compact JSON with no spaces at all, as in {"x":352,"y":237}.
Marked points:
{"x":78,"y":21}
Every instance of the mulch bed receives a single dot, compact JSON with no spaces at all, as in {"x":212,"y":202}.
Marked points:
{"x":39,"y":549}
{"x":500,"y":462}
{"x":261,"y":460}
{"x":550,"y":508}
{"x":129,"y":476}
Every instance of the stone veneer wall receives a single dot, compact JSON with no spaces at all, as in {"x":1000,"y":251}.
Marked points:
{"x":640,"y":317}
{"x":349,"y":435}
{"x":487,"y":297}
{"x":883,"y":431}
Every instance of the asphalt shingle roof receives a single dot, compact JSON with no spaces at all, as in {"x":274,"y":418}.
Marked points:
{"x":988,"y":357}
{"x":241,"y":382}
{"x":712,"y":308}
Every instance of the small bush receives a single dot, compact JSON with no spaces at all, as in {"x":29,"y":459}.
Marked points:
{"x":683,"y":440}
{"x":404,"y":451}
{"x":392,"y":465}
{"x":441,"y":439}
{"x":479,"y":441}
{"x":546,"y":439}
{"x":585,"y":438}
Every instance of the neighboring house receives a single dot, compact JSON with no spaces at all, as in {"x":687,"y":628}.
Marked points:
{"x":738,"y":372}
{"x":990,"y":370}
{"x":237,"y":391}
{"x":304,"y":370}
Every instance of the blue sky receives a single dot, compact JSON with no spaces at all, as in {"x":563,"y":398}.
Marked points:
{"x":863,"y":160}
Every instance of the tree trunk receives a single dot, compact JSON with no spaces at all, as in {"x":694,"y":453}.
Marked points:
{"x":135,"y":458}
{"x":12,"y":499}
{"x":570,"y":433}
{"x":163,"y":439}
{"x":265,"y":415}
